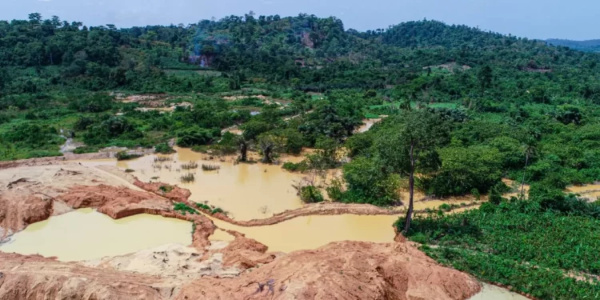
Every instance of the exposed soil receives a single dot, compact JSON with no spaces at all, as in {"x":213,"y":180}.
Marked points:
{"x":345,"y":270}
{"x":342,"y":270}
{"x":36,"y":277}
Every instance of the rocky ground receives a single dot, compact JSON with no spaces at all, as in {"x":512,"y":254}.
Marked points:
{"x":240,"y":269}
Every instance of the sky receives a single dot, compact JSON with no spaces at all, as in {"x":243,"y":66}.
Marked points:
{"x":541,"y":19}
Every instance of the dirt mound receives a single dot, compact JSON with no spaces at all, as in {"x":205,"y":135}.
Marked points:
{"x":18,"y":211}
{"x":344,"y":270}
{"x":116,"y":202}
{"x":172,"y":192}
{"x":35,"y":277}
{"x":245,"y":253}
{"x":172,"y":261}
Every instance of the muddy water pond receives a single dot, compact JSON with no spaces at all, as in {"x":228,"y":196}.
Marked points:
{"x":86,"y":234}
{"x":312,"y":232}
{"x":245,"y":191}
{"x":492,"y":292}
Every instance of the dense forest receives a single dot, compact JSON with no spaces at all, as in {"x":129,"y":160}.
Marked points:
{"x":461,"y":109}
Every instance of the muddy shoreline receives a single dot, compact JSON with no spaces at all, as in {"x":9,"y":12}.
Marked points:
{"x":119,"y":195}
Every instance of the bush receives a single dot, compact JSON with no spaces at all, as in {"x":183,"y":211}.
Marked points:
{"x":368,"y":184}
{"x":86,"y":149}
{"x":295,"y":167}
{"x":183,"y":208}
{"x":311,"y":194}
{"x":123,"y":155}
{"x":164,"y":148}
{"x":464,"y":169}
{"x":217,"y":210}
{"x":42,"y":153}
{"x":210,"y":167}
{"x":187,"y":178}
{"x":203,"y":206}
{"x":194,"y":136}
{"x":189,"y":166}
{"x":93,"y":103}
{"x":165,"y":188}
{"x":335,"y":190}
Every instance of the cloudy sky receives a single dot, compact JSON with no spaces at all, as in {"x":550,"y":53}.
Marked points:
{"x":573,"y":19}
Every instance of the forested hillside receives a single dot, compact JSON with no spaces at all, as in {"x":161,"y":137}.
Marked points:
{"x":588,"y":46}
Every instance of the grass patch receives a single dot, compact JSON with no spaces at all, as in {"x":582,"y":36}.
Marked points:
{"x":189,"y":166}
{"x":206,"y":167}
{"x":86,"y":149}
{"x":210,"y":209}
{"x":295,"y":167}
{"x":184,"y":209}
{"x":165,"y":188}
{"x":160,"y":159}
{"x":187,"y":178}
{"x":164,"y":148}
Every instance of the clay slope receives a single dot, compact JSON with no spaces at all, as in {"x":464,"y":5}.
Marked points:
{"x":17,"y":211}
{"x":343,"y":270}
{"x":35,"y":277}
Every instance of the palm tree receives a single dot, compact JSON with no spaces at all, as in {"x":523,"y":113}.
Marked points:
{"x":529,"y":149}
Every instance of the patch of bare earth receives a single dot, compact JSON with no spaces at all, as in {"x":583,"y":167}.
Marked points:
{"x":240,"y":269}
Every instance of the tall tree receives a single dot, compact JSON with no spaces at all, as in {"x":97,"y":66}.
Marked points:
{"x":410,"y":146}
{"x":529,"y":149}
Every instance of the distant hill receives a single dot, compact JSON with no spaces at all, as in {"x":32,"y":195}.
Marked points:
{"x":588,"y":46}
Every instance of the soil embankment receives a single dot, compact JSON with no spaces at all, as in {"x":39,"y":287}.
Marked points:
{"x":357,"y":270}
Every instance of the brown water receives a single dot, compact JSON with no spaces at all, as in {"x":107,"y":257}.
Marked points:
{"x":257,"y":191}
{"x":86,"y":234}
{"x":245,"y":191}
{"x":311,"y":232}
{"x":492,"y":292}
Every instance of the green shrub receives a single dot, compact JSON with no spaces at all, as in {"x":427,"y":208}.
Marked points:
{"x":187,"y":178}
{"x":86,"y":149}
{"x":464,"y":169}
{"x":183,"y":208}
{"x":295,"y":167}
{"x":194,"y":136}
{"x":311,"y":194}
{"x":189,"y":166}
{"x":335,"y":190}
{"x":164,"y":148}
{"x":42,"y":153}
{"x":123,"y":155}
{"x":203,"y":206}
{"x":445,"y":207}
{"x":217,"y":210}
{"x":165,"y":188}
